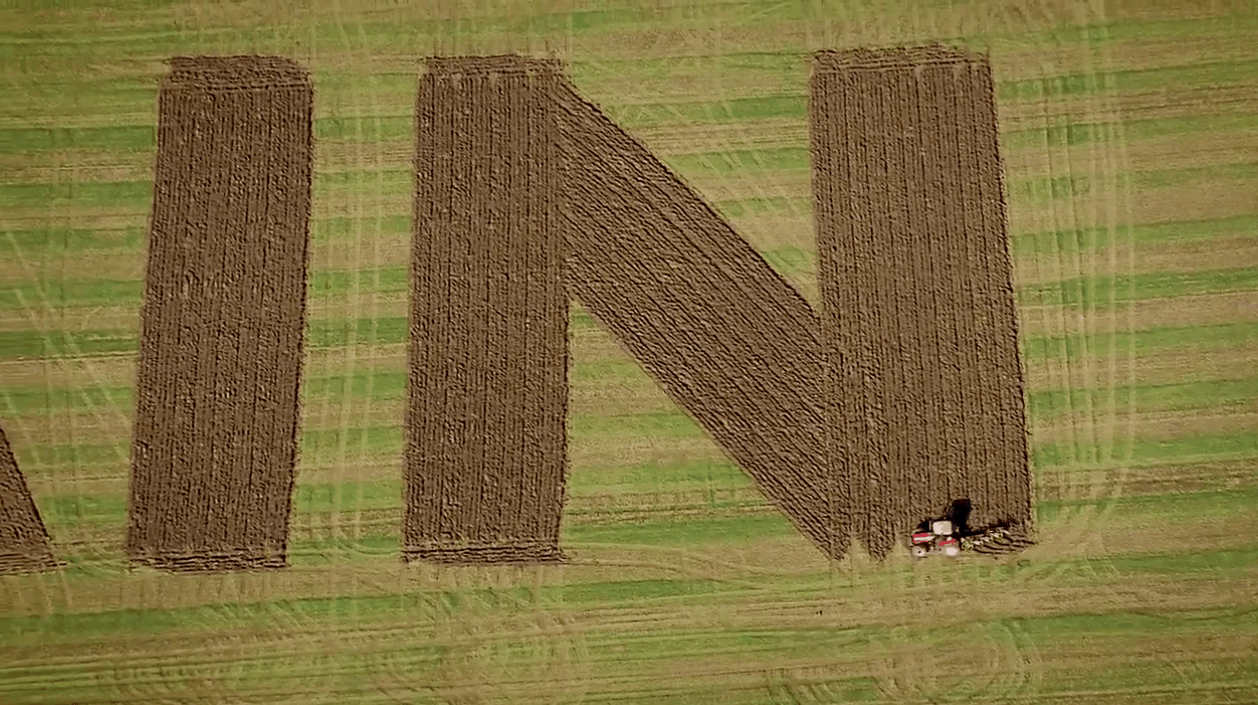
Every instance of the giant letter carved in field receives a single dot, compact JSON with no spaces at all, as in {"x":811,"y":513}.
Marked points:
{"x":707,"y":317}
{"x":215,"y":443}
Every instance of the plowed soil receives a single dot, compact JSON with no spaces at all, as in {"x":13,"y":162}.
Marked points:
{"x":23,"y":538}
{"x":925,"y":388}
{"x":703,"y":313}
{"x":220,"y":357}
{"x":486,"y":443}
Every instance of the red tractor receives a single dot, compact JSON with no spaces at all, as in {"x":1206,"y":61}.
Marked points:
{"x":951,"y":534}
{"x":936,"y":537}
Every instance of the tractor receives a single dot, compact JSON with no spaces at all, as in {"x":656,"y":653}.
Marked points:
{"x":935,"y":537}
{"x":951,"y":534}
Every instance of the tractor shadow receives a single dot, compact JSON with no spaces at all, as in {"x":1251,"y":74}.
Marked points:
{"x":958,"y":513}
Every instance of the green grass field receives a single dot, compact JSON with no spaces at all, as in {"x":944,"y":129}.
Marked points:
{"x":1130,"y":144}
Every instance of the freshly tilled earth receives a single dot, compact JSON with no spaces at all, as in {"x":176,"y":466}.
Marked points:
{"x":486,"y":441}
{"x":526,"y":195}
{"x":24,"y":542}
{"x":215,"y":437}
{"x":925,"y":385}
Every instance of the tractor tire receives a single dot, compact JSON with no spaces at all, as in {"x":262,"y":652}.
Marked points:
{"x":920,"y":551}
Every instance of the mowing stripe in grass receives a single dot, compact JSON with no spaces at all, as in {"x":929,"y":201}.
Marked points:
{"x":1075,"y":241}
{"x":1219,"y":394}
{"x":729,"y":162}
{"x":37,"y":401}
{"x":71,"y":292}
{"x":322,"y":447}
{"x":1096,"y":291}
{"x":331,"y":186}
{"x":1202,"y":338}
{"x":720,"y":473}
{"x":77,"y":455}
{"x":749,"y":207}
{"x":321,"y":499}
{"x":1210,"y":396}
{"x":212,"y":617}
{"x":120,"y":138}
{"x":384,"y":385}
{"x":684,"y":531}
{"x":1081,"y":133}
{"x":331,"y":229}
{"x":318,"y":499}
{"x":52,"y":243}
{"x":97,"y":193}
{"x":17,"y":345}
{"x":1203,"y":73}
{"x":1237,"y":171}
{"x":1221,"y":565}
{"x":640,"y":427}
{"x":69,"y":510}
{"x":1170,"y":451}
{"x":722,"y":519}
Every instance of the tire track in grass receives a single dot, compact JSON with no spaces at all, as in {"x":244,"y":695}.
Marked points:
{"x":1110,"y":467}
{"x":117,"y":418}
{"x":1114,"y":464}
{"x":372,"y":93}
{"x":334,"y":528}
{"x":488,"y":636}
{"x":1066,"y":479}
{"x":1118,"y":219}
{"x":1056,"y":252}
{"x":981,"y":661}
{"x":1098,"y":450}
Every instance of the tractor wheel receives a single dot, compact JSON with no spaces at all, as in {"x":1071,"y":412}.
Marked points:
{"x":920,"y":551}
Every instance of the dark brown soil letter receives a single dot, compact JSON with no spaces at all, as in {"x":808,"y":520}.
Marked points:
{"x":706,"y":316}
{"x":24,"y":544}
{"x":224,"y":310}
{"x":925,"y":384}
{"x":486,"y":444}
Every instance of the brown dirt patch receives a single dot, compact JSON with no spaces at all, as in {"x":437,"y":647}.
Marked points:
{"x":919,"y":323}
{"x":219,"y":367}
{"x":705,"y":315}
{"x":486,"y":443}
{"x":24,"y":543}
